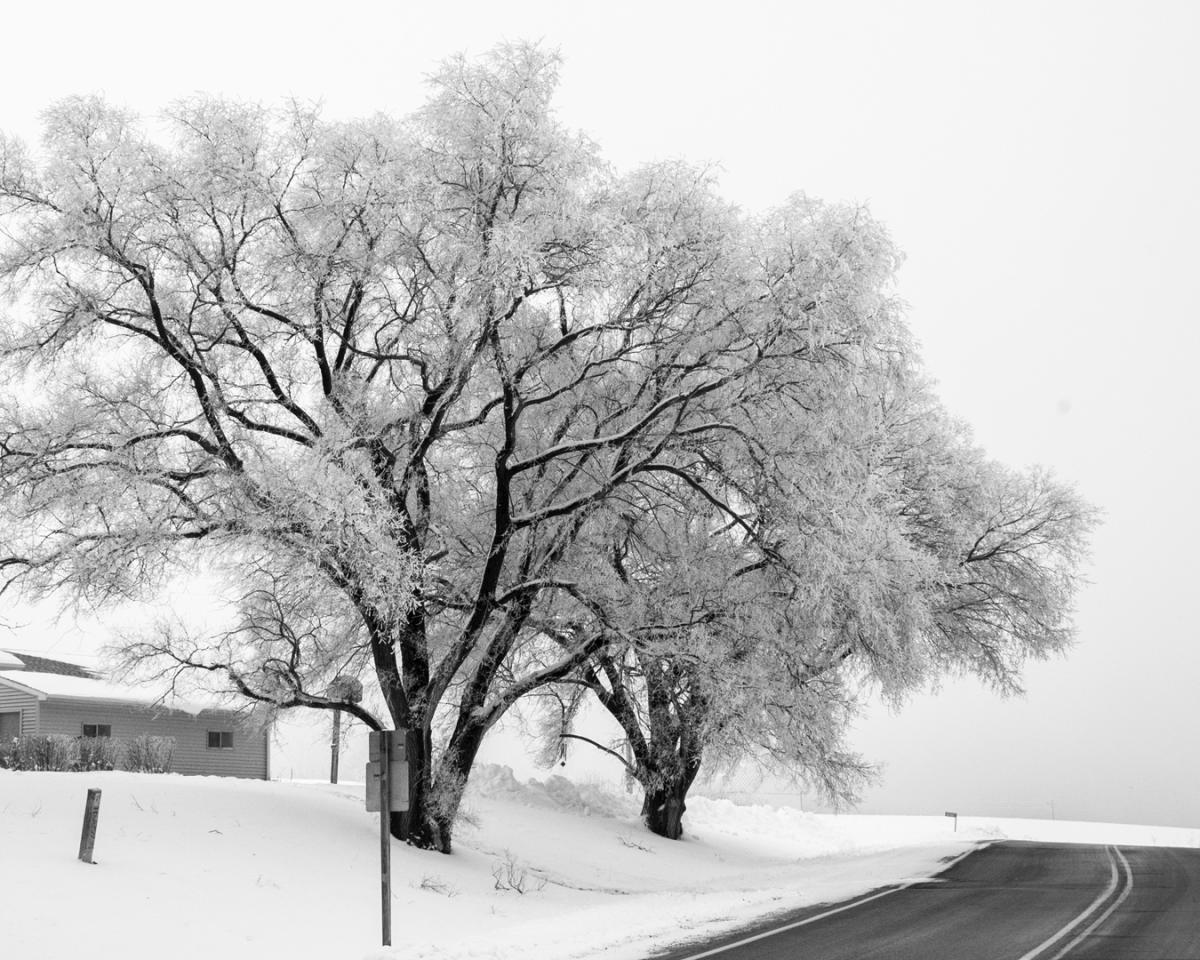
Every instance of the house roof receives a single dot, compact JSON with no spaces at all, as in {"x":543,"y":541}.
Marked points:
{"x":56,"y":685}
{"x":11,"y":659}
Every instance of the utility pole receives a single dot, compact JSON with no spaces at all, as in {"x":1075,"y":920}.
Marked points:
{"x":335,"y":746}
{"x":349,"y":690}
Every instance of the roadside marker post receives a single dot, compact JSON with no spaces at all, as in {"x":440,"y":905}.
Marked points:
{"x":387,"y":792}
{"x":91,"y":816}
{"x":951,"y":813}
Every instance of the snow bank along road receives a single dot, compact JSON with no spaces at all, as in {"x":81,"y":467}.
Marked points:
{"x":1006,"y":901}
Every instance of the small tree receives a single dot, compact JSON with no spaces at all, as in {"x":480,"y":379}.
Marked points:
{"x":881,"y":558}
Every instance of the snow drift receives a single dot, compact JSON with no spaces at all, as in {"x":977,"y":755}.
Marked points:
{"x":200,"y":867}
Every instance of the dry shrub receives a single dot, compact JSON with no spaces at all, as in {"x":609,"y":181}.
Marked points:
{"x":43,"y":752}
{"x":98,"y":753}
{"x":147,"y":754}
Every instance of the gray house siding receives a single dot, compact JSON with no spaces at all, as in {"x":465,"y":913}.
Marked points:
{"x":19,"y":702}
{"x":248,"y":757}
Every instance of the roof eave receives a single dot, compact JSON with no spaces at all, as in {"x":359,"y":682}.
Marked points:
{"x":16,"y":685}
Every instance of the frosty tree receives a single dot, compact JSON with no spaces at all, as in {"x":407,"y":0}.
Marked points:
{"x":405,"y":384}
{"x":878,"y":557}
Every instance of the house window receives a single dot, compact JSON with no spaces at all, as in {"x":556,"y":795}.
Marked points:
{"x":220,"y":739}
{"x":97,"y":730}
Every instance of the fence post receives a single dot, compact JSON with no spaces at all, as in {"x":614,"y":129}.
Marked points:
{"x":91,"y":815}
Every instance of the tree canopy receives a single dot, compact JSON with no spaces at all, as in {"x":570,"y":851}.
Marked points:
{"x":450,"y":401}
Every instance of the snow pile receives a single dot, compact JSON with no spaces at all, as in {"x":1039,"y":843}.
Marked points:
{"x":201,"y":867}
{"x":497,"y":782}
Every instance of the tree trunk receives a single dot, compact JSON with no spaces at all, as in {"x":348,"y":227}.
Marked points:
{"x":664,"y":803}
{"x":434,"y":801}
{"x":417,"y":826}
{"x":663,"y":809}
{"x":453,"y":770}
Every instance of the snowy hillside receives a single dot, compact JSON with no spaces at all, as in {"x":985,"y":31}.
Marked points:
{"x":203,"y":867}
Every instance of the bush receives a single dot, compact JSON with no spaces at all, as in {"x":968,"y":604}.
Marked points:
{"x":147,"y":754}
{"x":98,"y":753}
{"x":142,"y":754}
{"x":52,"y":752}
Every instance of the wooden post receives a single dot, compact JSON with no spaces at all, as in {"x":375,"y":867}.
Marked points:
{"x":91,"y":814}
{"x":385,"y":831}
{"x":335,"y":746}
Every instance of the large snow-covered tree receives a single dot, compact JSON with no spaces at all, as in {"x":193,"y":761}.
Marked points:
{"x":398,"y":381}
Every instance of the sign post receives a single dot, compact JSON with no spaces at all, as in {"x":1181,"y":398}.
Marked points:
{"x":951,"y":813}
{"x":385,"y":832}
{"x":387,"y":792}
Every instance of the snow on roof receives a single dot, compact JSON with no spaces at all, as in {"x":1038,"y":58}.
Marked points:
{"x":7,"y":661}
{"x":86,"y":688}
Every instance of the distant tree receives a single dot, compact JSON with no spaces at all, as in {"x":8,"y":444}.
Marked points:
{"x":403,"y":383}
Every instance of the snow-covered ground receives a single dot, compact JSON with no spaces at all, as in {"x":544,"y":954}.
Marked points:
{"x":201,"y":867}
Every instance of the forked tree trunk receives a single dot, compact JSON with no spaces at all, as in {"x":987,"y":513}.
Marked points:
{"x":416,"y":826}
{"x":435,"y":796}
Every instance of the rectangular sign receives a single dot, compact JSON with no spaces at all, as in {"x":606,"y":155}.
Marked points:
{"x":399,"y":786}
{"x":398,"y":746}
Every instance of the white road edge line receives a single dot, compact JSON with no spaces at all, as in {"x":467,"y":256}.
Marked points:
{"x":828,"y":913}
{"x":1107,"y":913}
{"x":1091,"y":908}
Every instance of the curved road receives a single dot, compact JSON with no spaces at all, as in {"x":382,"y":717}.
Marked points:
{"x":1006,"y":901}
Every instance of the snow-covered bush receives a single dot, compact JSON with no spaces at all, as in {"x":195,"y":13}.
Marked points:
{"x":147,"y":754}
{"x":98,"y":753}
{"x":142,"y":754}
{"x":43,"y":752}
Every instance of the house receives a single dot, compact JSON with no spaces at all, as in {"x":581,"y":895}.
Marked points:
{"x":40,"y":695}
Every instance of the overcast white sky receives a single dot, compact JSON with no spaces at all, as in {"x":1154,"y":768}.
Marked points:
{"x":1037,"y":161}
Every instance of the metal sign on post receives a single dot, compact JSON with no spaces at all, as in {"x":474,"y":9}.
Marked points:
{"x":397,"y":772}
{"x":951,"y":813}
{"x":387,"y":792}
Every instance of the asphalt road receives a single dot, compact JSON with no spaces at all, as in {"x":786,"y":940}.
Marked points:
{"x":1006,"y":901}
